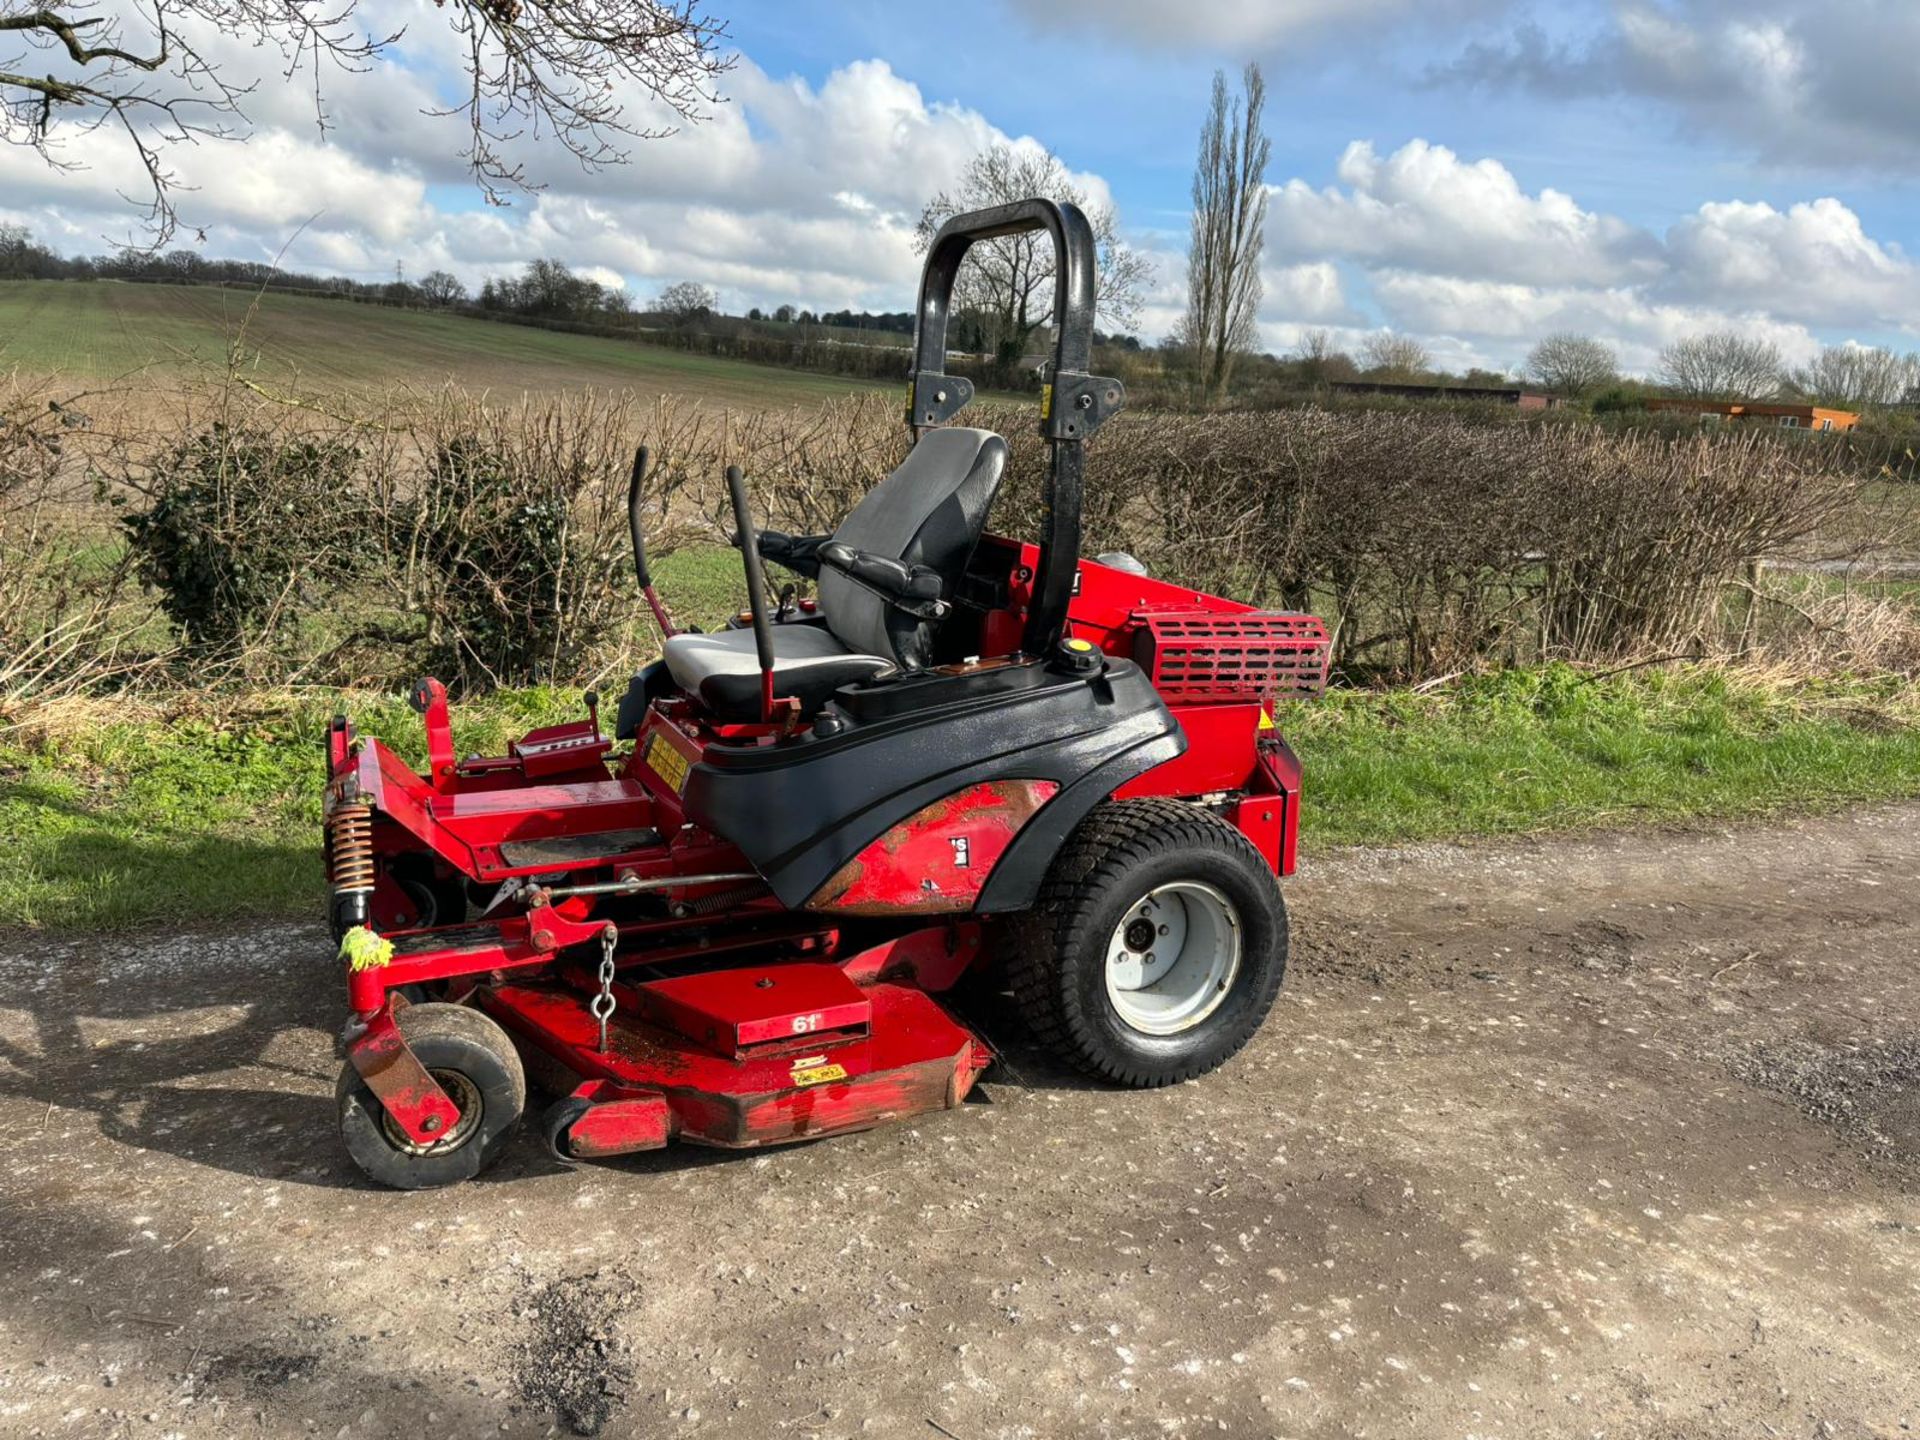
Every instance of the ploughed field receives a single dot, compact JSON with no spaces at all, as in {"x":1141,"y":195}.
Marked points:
{"x":119,"y":334}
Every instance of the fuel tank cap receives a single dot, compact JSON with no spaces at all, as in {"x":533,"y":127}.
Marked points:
{"x":1080,"y":657}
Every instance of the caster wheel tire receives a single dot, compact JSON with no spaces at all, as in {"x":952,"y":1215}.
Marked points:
{"x":476,"y":1065}
{"x":1157,"y":947}
{"x":555,"y":1124}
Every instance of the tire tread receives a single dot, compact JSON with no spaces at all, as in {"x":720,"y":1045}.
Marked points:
{"x":1115,"y":836}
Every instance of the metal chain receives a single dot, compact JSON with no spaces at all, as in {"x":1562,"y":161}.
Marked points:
{"x":602,"y":1005}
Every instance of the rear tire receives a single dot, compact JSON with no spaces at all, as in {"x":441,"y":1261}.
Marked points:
{"x":476,"y":1065}
{"x":1156,"y":948}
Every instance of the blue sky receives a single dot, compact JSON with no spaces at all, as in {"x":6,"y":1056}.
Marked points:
{"x":1476,"y":172}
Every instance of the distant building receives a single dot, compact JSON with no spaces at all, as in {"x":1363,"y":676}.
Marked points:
{"x":1791,"y":417}
{"x":1525,"y":399}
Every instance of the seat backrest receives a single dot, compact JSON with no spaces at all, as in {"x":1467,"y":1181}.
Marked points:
{"x":928,"y":512}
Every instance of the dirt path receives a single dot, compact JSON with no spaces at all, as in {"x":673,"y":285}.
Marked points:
{"x":1615,"y":1137}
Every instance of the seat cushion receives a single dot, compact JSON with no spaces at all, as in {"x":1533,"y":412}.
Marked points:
{"x":928,"y":512}
{"x":809,"y":664}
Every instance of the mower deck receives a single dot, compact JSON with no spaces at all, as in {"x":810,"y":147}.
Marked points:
{"x":738,"y":1058}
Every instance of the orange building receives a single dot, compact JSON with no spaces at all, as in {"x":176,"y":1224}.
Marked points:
{"x":1792,"y":417}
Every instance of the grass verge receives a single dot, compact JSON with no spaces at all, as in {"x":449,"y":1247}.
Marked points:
{"x":118,"y":817}
{"x":1535,"y":750}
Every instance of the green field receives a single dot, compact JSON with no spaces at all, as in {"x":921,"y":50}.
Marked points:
{"x":112,"y":331}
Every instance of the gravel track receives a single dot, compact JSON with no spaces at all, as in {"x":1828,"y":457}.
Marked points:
{"x":1609,"y":1137}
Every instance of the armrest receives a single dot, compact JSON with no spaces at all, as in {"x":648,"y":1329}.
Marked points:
{"x":916,"y":589}
{"x":798,"y":553}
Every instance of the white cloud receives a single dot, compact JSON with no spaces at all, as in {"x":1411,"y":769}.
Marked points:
{"x":1294,"y":299}
{"x":788,"y":192}
{"x":1814,"y":262}
{"x":268,"y":188}
{"x":1804,"y":82}
{"x":1310,"y":293}
{"x":1424,"y":206}
{"x":1457,"y":249}
{"x":1508,"y":319}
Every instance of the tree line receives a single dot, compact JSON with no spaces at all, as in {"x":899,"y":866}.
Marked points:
{"x":544,"y":288}
{"x":1003,"y":301}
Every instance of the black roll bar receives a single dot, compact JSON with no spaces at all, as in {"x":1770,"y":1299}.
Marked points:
{"x":1073,"y":403}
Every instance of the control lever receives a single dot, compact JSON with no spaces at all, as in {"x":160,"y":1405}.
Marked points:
{"x":637,"y":531}
{"x":756,"y":599}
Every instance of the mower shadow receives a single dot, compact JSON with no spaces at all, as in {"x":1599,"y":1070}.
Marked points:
{"x":201,"y":1046}
{"x":206,"y":1046}
{"x":1018,"y":1062}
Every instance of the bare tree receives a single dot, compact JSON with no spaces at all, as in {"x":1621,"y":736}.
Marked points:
{"x":1388,"y":356}
{"x":1320,"y":360}
{"x":557,"y":68}
{"x":1858,"y":377}
{"x":1008,"y":282}
{"x":1569,"y":364}
{"x":1229,"y":230}
{"x":1723,"y":365}
{"x":440,"y":288}
{"x":686,"y":302}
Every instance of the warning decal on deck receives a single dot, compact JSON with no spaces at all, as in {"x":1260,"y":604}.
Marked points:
{"x":818,"y":1074}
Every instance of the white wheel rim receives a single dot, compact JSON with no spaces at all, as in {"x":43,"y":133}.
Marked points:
{"x":1173,"y":959}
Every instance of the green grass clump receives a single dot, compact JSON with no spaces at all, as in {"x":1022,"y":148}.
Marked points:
{"x":1552,"y":749}
{"x":177,"y":819}
{"x":702,"y":585}
{"x":113,"y":821}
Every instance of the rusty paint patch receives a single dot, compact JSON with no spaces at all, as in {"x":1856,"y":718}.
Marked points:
{"x":936,"y":861}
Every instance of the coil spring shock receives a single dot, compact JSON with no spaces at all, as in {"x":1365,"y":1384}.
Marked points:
{"x":350,"y":861}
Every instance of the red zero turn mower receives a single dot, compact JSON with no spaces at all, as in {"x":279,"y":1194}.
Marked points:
{"x":735,"y":933}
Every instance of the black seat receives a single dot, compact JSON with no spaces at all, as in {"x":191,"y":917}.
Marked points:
{"x":809,"y":664}
{"x":928,"y":513}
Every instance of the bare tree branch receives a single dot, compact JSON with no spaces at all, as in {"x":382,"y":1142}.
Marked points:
{"x":1724,"y":365}
{"x":558,"y":71}
{"x":1007,"y":284}
{"x":1387,"y":356}
{"x":1572,"y":365}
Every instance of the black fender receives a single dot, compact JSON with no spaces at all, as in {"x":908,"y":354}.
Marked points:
{"x":801,"y":810}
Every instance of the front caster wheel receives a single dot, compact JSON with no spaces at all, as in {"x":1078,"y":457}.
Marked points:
{"x":556,"y":1124}
{"x":475,"y":1063}
{"x":1157,"y":948}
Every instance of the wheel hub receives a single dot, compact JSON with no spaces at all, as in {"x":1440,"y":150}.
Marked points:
{"x":465,"y":1096}
{"x":1172,"y":960}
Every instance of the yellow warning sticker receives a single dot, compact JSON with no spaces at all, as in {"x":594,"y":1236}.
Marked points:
{"x":1266,"y":721}
{"x":666,"y":762}
{"x":1046,"y":402}
{"x":818,"y":1074}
